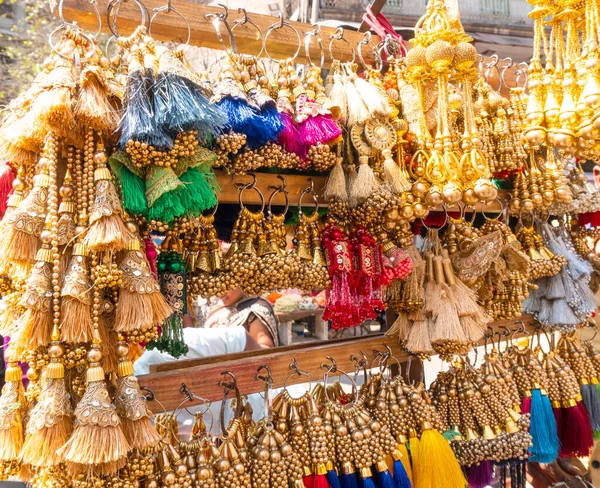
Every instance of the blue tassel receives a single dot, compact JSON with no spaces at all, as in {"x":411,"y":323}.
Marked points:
{"x":400,"y":476}
{"x":385,"y":480}
{"x":543,"y":429}
{"x":369,"y":483}
{"x":333,"y":479}
{"x":138,"y":122}
{"x":349,"y":480}
{"x":242,"y":118}
{"x":181,"y":106}
{"x":272,"y":127}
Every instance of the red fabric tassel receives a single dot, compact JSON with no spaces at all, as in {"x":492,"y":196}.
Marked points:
{"x":320,"y":481}
{"x":309,"y":481}
{"x":592,"y":219}
{"x":6,"y":181}
{"x":526,"y":405}
{"x":576,"y":437}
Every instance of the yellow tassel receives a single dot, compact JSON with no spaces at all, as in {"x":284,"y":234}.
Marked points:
{"x":93,"y":108}
{"x":435,"y":464}
{"x":12,"y":404}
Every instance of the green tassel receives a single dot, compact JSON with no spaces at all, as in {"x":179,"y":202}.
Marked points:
{"x":133,"y":191}
{"x":197,"y":195}
{"x":133,"y":187}
{"x":166,"y":208}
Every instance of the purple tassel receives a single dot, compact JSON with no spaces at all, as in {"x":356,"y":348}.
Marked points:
{"x":480,"y":476}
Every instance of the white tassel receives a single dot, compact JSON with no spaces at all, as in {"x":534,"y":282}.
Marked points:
{"x":335,"y":188}
{"x":358,"y":112}
{"x":373,"y":98}
{"x":393,"y":174}
{"x":337,"y":96}
{"x":365,"y":182}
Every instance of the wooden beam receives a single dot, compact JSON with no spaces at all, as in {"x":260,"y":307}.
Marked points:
{"x":264,"y":181}
{"x":202,"y":375}
{"x":281,"y":44}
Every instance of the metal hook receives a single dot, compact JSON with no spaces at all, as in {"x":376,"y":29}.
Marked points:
{"x":280,"y":25}
{"x":279,"y":189}
{"x":316,"y":33}
{"x":330,"y":368}
{"x":168,"y":8}
{"x":247,"y":20}
{"x":218,"y":17}
{"x":228,"y":387}
{"x":338,"y":35}
{"x":366,"y":40}
{"x":310,"y":189}
{"x":268,"y":378}
{"x":360,"y":364}
{"x":112,"y":12}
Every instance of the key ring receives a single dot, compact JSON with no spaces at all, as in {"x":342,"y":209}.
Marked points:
{"x":250,"y":186}
{"x":247,"y":20}
{"x":216,"y":19}
{"x":96,"y":11}
{"x":268,"y":380}
{"x":71,"y":30}
{"x":229,"y":386}
{"x":338,"y":35}
{"x":310,"y":189}
{"x":112,"y":12}
{"x":296,"y":371}
{"x":276,"y":26}
{"x":332,"y":368}
{"x":316,"y":33}
{"x":279,"y":189}
{"x":366,"y":40}
{"x":167,"y":9}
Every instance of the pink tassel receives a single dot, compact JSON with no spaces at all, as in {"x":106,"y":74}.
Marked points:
{"x":6,"y":181}
{"x":288,"y":137}
{"x":151,"y":254}
{"x":576,"y":436}
{"x":315,"y":125}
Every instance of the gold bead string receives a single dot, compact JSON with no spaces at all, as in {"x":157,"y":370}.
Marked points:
{"x":78,"y":173}
{"x":52,"y":217}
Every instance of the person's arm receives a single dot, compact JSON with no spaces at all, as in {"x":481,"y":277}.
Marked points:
{"x":260,"y":333}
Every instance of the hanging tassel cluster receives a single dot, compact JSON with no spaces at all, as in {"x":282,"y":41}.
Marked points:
{"x":563,"y":301}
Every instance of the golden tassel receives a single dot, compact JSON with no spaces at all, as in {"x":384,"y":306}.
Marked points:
{"x":141,"y":304}
{"x":50,"y":423}
{"x":107,"y":231}
{"x":34,"y":327}
{"x":97,"y":445}
{"x":20,"y":239}
{"x":131,"y":405}
{"x":76,"y":307}
{"x":93,"y":107}
{"x":12,"y":408}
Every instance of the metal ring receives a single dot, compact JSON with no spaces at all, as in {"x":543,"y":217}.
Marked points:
{"x":279,"y":189}
{"x":96,"y":11}
{"x":338,"y":35}
{"x":488,"y":68}
{"x":497,"y":199}
{"x":218,"y":17}
{"x":366,"y":41}
{"x":310,"y":189}
{"x":334,"y":369}
{"x":280,"y":25}
{"x":296,"y":371}
{"x":78,"y":32}
{"x":112,"y":12}
{"x":168,"y":8}
{"x":251,"y":185}
{"x":247,"y":20}
{"x":473,"y":213}
{"x":509,"y":64}
{"x":316,"y":33}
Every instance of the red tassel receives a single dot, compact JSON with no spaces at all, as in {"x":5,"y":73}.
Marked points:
{"x":560,"y":423}
{"x":577,"y":437}
{"x":309,"y":481}
{"x":526,"y":405}
{"x":592,"y":218}
{"x":6,"y":181}
{"x":320,"y":481}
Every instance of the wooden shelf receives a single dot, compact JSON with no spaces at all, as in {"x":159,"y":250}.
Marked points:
{"x":282,"y":44}
{"x":202,"y":375}
{"x":294,"y":184}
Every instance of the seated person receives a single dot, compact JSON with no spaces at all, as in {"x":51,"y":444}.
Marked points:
{"x":235,"y":324}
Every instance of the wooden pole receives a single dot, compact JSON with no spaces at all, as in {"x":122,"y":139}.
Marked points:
{"x":281,"y":44}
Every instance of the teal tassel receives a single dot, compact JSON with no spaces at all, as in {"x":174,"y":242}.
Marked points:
{"x":400,"y":476}
{"x":543,"y":429}
{"x":197,"y":194}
